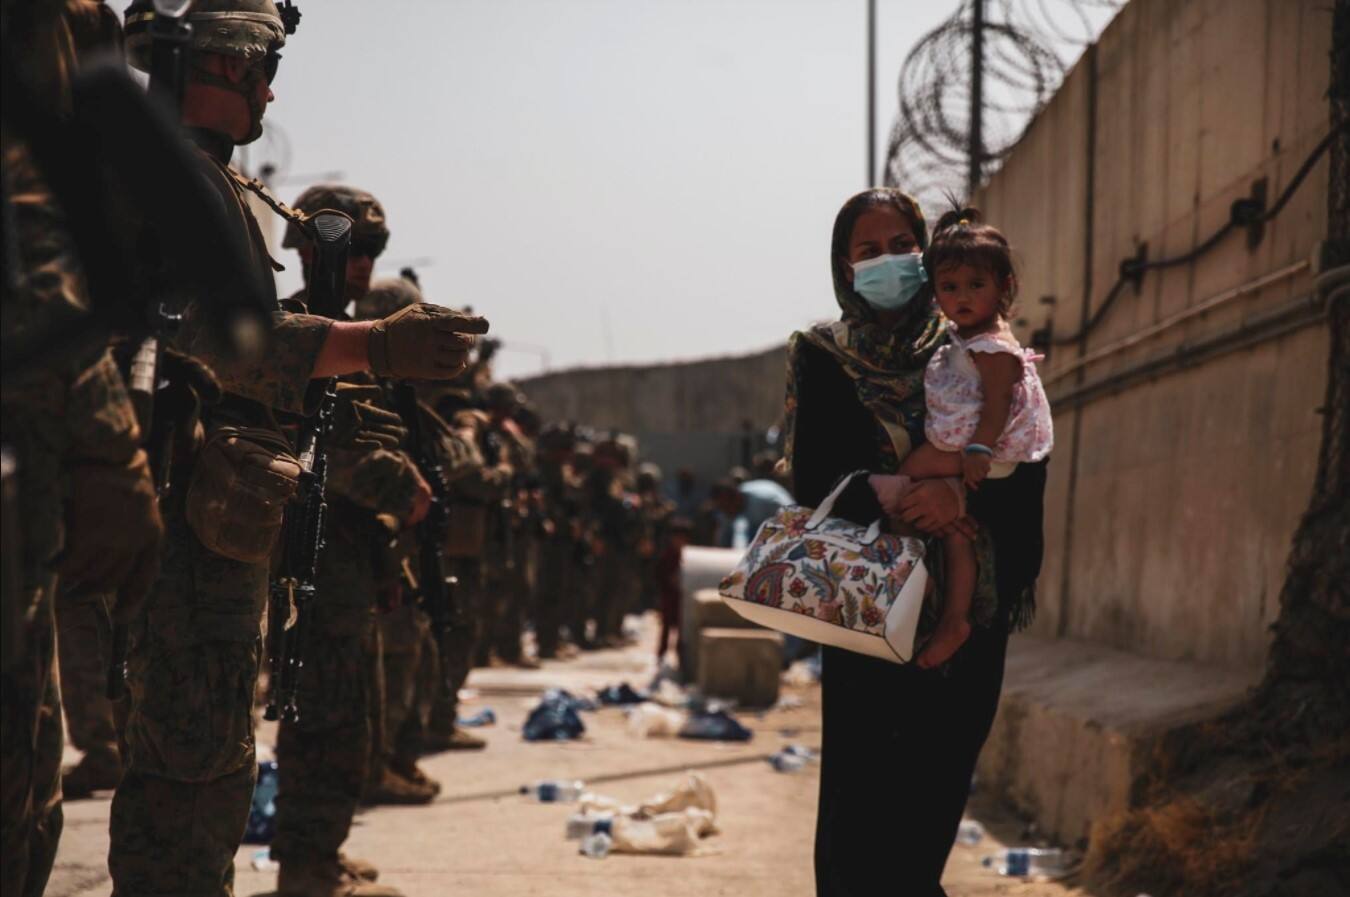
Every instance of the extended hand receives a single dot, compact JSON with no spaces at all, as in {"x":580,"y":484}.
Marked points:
{"x":423,"y":342}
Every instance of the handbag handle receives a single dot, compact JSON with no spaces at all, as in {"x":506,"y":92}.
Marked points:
{"x":827,"y":506}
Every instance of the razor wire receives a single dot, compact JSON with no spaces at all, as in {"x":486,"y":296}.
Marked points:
{"x":1028,"y":47}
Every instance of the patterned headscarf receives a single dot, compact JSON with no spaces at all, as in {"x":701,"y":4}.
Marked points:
{"x":885,"y":365}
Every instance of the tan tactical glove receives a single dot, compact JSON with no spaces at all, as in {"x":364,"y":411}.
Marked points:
{"x":113,"y":533}
{"x":423,"y":342}
{"x":360,"y":424}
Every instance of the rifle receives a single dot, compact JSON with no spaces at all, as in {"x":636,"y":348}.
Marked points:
{"x":434,"y":581}
{"x":294,"y":588}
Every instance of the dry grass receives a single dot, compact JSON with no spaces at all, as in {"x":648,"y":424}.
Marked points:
{"x":1180,"y":846}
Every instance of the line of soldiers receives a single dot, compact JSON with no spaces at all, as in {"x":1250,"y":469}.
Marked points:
{"x":168,"y":556}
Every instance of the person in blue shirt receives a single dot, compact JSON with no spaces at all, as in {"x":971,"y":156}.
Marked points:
{"x":745,"y":507}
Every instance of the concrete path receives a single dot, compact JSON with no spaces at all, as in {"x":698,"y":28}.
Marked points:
{"x":481,"y":838}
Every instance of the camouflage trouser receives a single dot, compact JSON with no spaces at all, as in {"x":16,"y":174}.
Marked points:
{"x":31,"y":740}
{"x":471,"y":601}
{"x":606,"y":598}
{"x":180,"y":811}
{"x":84,"y":641}
{"x":323,"y":757}
{"x":580,"y":598}
{"x":411,"y":675}
{"x":550,"y":592}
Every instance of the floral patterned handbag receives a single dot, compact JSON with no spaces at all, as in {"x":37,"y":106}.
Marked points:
{"x":832,"y":581}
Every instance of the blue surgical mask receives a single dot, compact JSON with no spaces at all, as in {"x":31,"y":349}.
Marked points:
{"x":888,"y":282}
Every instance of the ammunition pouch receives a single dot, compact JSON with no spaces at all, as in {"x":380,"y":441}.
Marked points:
{"x":241,"y":484}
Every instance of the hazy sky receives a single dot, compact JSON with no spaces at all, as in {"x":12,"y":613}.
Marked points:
{"x":606,"y":180}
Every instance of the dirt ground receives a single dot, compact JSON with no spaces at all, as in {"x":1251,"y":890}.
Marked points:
{"x":481,"y":838}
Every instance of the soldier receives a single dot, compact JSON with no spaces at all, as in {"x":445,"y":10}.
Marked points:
{"x":82,"y":488}
{"x":410,"y":654}
{"x":553,"y":585}
{"x":475,"y":495}
{"x":655,"y":513}
{"x":583,"y":573}
{"x":616,"y":538}
{"x":180,"y":810}
{"x":323,"y":756}
{"x":507,"y":560}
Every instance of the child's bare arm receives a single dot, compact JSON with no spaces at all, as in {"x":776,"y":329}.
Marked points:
{"x":999,"y":373}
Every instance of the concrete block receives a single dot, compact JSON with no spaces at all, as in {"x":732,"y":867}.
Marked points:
{"x":1078,"y":721}
{"x":707,"y":610}
{"x":700,"y":568}
{"x":711,"y":612}
{"x":744,"y":664}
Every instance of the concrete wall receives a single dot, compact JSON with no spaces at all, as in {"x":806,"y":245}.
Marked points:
{"x":691,"y":414}
{"x":1173,"y":499}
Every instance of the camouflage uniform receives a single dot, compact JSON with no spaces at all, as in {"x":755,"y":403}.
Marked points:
{"x":84,"y":641}
{"x":553,"y":584}
{"x":69,"y":413}
{"x":179,"y":813}
{"x":508,"y":558}
{"x":656,"y":512}
{"x":616,"y":525}
{"x":323,"y":756}
{"x":476,"y":491}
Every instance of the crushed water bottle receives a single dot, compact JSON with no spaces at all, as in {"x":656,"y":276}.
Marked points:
{"x":787,"y":762}
{"x":597,"y":846}
{"x":1027,"y":861}
{"x":551,"y":791}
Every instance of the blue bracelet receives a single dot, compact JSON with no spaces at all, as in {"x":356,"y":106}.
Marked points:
{"x":976,"y":449}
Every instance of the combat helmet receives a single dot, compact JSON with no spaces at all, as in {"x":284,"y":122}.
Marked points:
{"x":387,"y":295}
{"x":504,"y":397}
{"x":253,"y":30}
{"x":247,"y":28}
{"x":370,"y":230}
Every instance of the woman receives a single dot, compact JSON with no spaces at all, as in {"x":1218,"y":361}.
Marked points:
{"x":900,"y":743}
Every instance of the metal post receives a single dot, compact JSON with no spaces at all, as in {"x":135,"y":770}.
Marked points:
{"x":871,"y":93}
{"x":975,"y":150}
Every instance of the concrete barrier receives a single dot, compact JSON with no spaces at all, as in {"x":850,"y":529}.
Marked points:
{"x":744,"y":664}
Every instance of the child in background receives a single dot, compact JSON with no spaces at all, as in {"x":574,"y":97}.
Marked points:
{"x":668,"y":584}
{"x":987,"y":410}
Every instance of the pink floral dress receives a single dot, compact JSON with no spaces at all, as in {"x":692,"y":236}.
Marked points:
{"x":953,"y":393}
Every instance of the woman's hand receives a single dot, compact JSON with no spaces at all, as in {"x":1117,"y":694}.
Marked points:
{"x":933,"y":507}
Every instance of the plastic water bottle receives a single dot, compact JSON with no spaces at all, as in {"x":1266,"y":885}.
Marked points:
{"x":581,"y":825}
{"x":970,"y":833}
{"x":785,"y":761}
{"x":1025,"y":861}
{"x":597,"y":846}
{"x":552,"y":791}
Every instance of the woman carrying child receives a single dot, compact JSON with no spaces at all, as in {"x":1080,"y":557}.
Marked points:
{"x":900,"y":741}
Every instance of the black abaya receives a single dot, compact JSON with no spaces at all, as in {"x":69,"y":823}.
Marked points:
{"x":900,"y":743}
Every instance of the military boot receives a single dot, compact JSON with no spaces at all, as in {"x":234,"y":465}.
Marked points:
{"x":454,"y":740}
{"x":392,"y":788}
{"x":409,"y":770}
{"x":326,"y":878}
{"x":358,"y":868}
{"x":95,"y":772}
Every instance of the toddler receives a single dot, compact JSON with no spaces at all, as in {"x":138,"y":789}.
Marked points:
{"x":987,"y":410}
